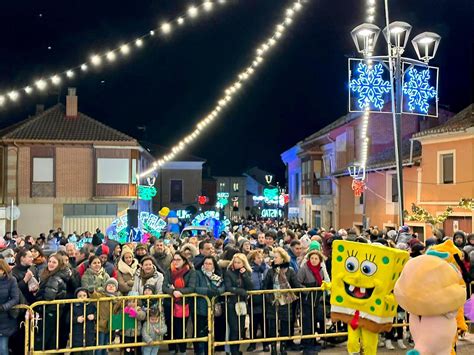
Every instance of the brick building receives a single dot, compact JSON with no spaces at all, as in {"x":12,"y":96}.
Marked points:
{"x":65,"y":169}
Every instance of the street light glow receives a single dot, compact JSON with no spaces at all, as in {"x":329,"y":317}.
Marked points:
{"x":426,"y":40}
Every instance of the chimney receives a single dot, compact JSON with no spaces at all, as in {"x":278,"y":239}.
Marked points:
{"x":71,"y":103}
{"x":39,"y":109}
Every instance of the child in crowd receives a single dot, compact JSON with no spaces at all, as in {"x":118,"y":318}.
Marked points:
{"x":83,"y":322}
{"x":104,"y":316}
{"x":133,"y":310}
{"x":153,"y":330}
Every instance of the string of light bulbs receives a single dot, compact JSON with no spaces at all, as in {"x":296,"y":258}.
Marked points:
{"x":370,"y":18}
{"x":228,"y":94}
{"x":124,"y":49}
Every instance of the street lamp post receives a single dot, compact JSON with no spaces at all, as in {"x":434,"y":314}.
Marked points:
{"x":396,"y":35}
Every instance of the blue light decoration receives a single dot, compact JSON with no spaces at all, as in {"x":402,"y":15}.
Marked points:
{"x":419,"y":90}
{"x":368,"y":86}
{"x":271,"y":213}
{"x":222,"y":199}
{"x":149,"y":222}
{"x":146,"y":192}
{"x":213,"y":222}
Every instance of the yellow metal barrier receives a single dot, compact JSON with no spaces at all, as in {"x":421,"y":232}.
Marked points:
{"x":50,"y":313}
{"x":277,"y":325}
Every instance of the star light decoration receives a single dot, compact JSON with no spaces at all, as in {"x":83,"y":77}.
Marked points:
{"x":419,"y":90}
{"x":370,"y":86}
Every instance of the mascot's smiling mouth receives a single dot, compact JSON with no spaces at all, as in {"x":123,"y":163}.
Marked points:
{"x":358,"y":292}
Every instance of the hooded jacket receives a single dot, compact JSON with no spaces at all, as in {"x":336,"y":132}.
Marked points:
{"x":126,"y":273}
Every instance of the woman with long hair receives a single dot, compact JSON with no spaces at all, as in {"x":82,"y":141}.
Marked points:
{"x":39,"y":260}
{"x":179,"y":280}
{"x":127,"y":266}
{"x":278,"y":305}
{"x":53,"y":280}
{"x":237,"y":281}
{"x":210,"y":283}
{"x":9,"y":297}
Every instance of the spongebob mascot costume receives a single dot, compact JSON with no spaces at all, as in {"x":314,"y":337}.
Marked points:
{"x":363,"y":278}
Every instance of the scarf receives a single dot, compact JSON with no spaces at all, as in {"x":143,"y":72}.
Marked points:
{"x":215,"y":279}
{"x":39,"y":260}
{"x":259,"y":268}
{"x":145,"y":276}
{"x":280,"y":273}
{"x":315,"y":270}
{"x":124,"y":268}
{"x":177,"y":276}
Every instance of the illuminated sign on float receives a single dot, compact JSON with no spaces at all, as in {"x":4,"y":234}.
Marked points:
{"x":147,"y":192}
{"x":213,"y":222}
{"x":271,"y":213}
{"x":222,"y":199}
{"x":183,"y":214}
{"x":150,"y":223}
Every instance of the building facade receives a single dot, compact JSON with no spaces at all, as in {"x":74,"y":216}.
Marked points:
{"x":318,"y":167}
{"x":234,"y":188}
{"x":65,"y":169}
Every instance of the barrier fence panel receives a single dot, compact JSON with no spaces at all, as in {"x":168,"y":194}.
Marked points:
{"x":266,"y":316}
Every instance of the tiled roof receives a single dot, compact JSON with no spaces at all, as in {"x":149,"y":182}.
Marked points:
{"x":460,"y":122}
{"x":53,"y":125}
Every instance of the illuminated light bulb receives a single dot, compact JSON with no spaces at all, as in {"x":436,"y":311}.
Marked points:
{"x":166,"y":28}
{"x":371,"y":2}
{"x":2,"y":100}
{"x":245,"y":76}
{"x":41,"y":84}
{"x":371,"y":10}
{"x":28,"y":89}
{"x":125,"y":49}
{"x":280,"y":28}
{"x":259,"y":51}
{"x":83,"y":67}
{"x":255,"y":63}
{"x":370,"y":18}
{"x":155,"y":164}
{"x":272,"y":41}
{"x":13,"y":95}
{"x":265,"y":47}
{"x":180,"y":21}
{"x":222,"y":1}
{"x":193,"y":11}
{"x":55,"y":79}
{"x":207,"y":5}
{"x":259,"y":59}
{"x":250,"y":70}
{"x":297,"y":6}
{"x":152,"y":33}
{"x":228,"y":98}
{"x":222,"y":102}
{"x":288,"y":20}
{"x":238,"y":85}
{"x":69,"y":73}
{"x":139,"y":42}
{"x":290,"y":12}
{"x":110,"y":56}
{"x":96,"y":60}
{"x":218,"y":108}
{"x":278,"y":34}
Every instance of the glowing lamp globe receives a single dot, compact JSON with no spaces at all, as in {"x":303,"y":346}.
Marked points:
{"x":426,"y":44}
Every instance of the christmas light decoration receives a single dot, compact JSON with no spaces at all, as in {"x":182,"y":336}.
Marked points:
{"x":213,"y":221}
{"x":202,"y":200}
{"x":228,"y":94}
{"x":358,"y":186}
{"x":418,"y":90}
{"x":271,"y":213}
{"x":467,"y":203}
{"x":369,"y":86}
{"x":146,"y":192}
{"x":422,"y":215}
{"x":99,"y":59}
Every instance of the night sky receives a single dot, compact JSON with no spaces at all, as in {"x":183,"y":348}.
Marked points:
{"x":171,"y":82}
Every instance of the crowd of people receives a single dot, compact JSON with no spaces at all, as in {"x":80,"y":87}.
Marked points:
{"x":252,"y":255}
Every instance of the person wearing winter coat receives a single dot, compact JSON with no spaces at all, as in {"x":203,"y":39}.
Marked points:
{"x":238,"y":281}
{"x":95,"y":276}
{"x":39,"y":260}
{"x":153,"y":329}
{"x":162,"y":255}
{"x":210,"y":283}
{"x":106,"y":309}
{"x":280,"y":276}
{"x":259,"y":272}
{"x":312,"y":274}
{"x":126,"y":269}
{"x":134,"y":311}
{"x":52,"y":287}
{"x":83,"y":321}
{"x":26,"y":275}
{"x":9,"y":297}
{"x":147,"y":275}
{"x":179,"y":280}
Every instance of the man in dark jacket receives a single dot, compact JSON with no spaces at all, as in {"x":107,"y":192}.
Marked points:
{"x":205,"y":249}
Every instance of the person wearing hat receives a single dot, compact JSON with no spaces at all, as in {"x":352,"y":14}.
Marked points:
{"x":104,"y":307}
{"x":403,"y":235}
{"x":141,"y":251}
{"x":103,"y":252}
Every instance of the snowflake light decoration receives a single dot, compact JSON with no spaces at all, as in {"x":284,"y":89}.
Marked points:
{"x":419,"y":90}
{"x":370,"y":85}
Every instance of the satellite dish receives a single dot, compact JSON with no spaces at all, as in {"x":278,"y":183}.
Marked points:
{"x":12,"y":213}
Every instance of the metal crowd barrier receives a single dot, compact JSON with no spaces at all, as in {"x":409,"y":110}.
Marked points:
{"x":293,"y":325}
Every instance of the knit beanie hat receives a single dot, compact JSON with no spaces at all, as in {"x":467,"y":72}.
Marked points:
{"x":111,"y":281}
{"x":314,"y":245}
{"x":102,"y":250}
{"x":149,"y":287}
{"x":81,"y":289}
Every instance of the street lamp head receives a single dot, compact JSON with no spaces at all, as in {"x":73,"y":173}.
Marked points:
{"x":426,"y":44}
{"x":398,"y":33}
{"x":365,"y":36}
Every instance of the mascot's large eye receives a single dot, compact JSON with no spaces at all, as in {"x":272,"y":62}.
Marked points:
{"x":368,"y":268}
{"x":352,"y":264}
